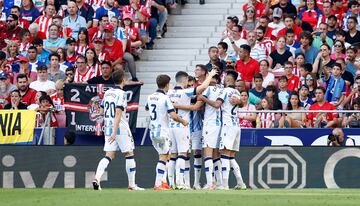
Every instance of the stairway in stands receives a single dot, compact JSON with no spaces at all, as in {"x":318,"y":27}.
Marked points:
{"x":189,"y":35}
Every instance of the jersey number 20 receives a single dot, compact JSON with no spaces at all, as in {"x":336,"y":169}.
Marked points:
{"x":110,"y":109}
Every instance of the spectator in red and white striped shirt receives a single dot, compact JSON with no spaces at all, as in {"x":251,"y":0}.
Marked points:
{"x":92,"y":61}
{"x":82,"y":72}
{"x":265,"y":119}
{"x":45,"y":20}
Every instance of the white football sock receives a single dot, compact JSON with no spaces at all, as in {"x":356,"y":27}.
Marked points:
{"x":209,"y":166}
{"x":197,"y":169}
{"x":171,"y":171}
{"x":180,"y":169}
{"x":160,"y":171}
{"x":217,"y":171}
{"x":130,"y":170}
{"x":187,"y":172}
{"x":225,"y":168}
{"x":104,"y":162}
{"x":236,"y":170}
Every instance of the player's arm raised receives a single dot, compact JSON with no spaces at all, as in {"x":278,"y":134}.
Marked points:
{"x":207,"y":81}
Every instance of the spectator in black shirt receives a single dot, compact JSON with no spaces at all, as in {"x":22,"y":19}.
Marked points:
{"x":286,"y":6}
{"x":353,"y":35}
{"x":15,"y":101}
{"x":105,"y":78}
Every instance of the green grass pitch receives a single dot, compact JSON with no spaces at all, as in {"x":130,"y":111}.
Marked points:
{"x":122,"y":197}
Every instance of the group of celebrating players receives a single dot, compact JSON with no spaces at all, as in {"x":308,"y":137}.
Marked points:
{"x":182,"y":119}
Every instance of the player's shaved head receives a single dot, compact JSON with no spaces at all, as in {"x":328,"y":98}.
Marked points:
{"x":181,"y":76}
{"x":162,"y":81}
{"x":233,"y":74}
{"x":118,"y":76}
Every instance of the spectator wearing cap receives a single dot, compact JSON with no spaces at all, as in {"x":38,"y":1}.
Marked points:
{"x":27,"y":94}
{"x":25,"y":69}
{"x":290,"y":24}
{"x":105,"y":77}
{"x":261,"y":9}
{"x":306,"y":40}
{"x":113,"y":46}
{"x":21,"y":22}
{"x":45,"y":20}
{"x":321,"y":120}
{"x":107,"y":9}
{"x":352,"y":35}
{"x":54,"y":42}
{"x":311,"y":13}
{"x":99,"y":50}
{"x":54,"y":74}
{"x":234,"y":40}
{"x":286,"y":8}
{"x":134,"y":41}
{"x":277,"y":24}
{"x":71,"y":54}
{"x":42,"y":54}
{"x":139,"y":15}
{"x":353,"y":7}
{"x":74,"y":20}
{"x":351,"y":65}
{"x":247,"y":66}
{"x":28,"y":11}
{"x":10,"y":31}
{"x":5,"y":88}
{"x":305,"y":101}
{"x":15,"y":101}
{"x":42,"y":83}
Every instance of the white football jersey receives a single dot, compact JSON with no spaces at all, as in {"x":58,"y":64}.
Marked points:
{"x":114,"y":98}
{"x":212,"y":115}
{"x":159,"y":105}
{"x":229,"y":111}
{"x":183,"y":97}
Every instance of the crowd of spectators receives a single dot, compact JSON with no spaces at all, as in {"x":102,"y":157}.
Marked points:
{"x":293,"y":55}
{"x":47,"y":43}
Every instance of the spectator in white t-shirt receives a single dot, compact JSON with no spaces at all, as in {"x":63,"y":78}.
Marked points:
{"x":42,"y":84}
{"x":269,"y":78}
{"x":234,"y":39}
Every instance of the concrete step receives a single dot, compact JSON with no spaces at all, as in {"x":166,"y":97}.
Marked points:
{"x":181,"y":40}
{"x":188,"y":34}
{"x":151,"y":76}
{"x":204,"y":11}
{"x":208,"y":6}
{"x":156,"y":57}
{"x":179,"y":46}
{"x":190,"y":29}
{"x":170,"y":51}
{"x":161,"y":63}
{"x":194,"y":22}
{"x":207,"y":17}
